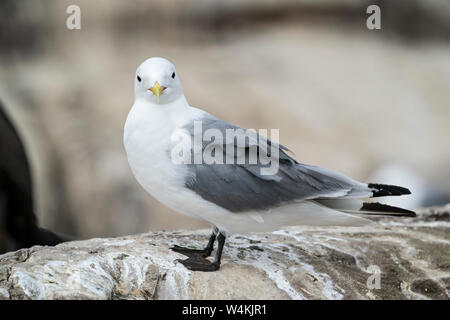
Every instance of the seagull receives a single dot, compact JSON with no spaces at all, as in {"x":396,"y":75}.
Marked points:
{"x":233,"y":196}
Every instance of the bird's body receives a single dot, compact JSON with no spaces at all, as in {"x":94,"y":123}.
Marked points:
{"x":147,"y":140}
{"x":18,"y":221}
{"x":232,"y":197}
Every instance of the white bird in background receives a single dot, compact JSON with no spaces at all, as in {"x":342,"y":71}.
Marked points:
{"x":233,"y":198}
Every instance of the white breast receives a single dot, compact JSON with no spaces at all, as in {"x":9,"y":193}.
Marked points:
{"x":147,"y":141}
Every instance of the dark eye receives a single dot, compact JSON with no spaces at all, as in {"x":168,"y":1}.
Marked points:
{"x":139,"y":79}
{"x":173,"y":75}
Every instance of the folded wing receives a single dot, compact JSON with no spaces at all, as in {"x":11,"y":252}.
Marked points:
{"x":243,"y":187}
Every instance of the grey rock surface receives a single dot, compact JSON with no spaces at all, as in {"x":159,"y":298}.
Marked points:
{"x":412,"y":256}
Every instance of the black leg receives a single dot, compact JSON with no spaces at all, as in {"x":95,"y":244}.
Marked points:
{"x":221,"y":240}
{"x":199,"y":263}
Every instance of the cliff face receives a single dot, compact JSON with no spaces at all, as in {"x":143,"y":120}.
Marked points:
{"x":394,"y":259}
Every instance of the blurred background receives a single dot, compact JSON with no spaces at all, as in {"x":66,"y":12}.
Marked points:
{"x":372,"y":104}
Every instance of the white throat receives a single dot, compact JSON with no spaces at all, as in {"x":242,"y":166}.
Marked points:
{"x":171,"y":113}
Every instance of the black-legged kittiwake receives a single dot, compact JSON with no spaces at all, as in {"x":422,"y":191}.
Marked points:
{"x":205,"y":168}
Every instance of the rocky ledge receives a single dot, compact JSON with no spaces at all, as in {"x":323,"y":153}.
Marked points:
{"x":396,"y":258}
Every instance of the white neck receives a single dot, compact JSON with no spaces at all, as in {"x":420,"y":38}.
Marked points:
{"x":181,"y":101}
{"x":174,"y":113}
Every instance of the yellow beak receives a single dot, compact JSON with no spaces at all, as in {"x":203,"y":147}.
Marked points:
{"x":157,"y":90}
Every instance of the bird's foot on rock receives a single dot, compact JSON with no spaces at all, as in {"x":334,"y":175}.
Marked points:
{"x":191,"y":252}
{"x":199,"y":264}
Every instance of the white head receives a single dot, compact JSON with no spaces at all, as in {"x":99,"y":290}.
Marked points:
{"x":157,"y":81}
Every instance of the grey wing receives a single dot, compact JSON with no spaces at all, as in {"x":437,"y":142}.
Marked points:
{"x":242,"y":187}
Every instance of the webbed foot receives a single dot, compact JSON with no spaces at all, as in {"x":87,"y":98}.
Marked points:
{"x":199,"y":264}
{"x":192,"y":252}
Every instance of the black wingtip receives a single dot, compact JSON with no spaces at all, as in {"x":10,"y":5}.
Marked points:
{"x":383,"y":190}
{"x":384,"y":209}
